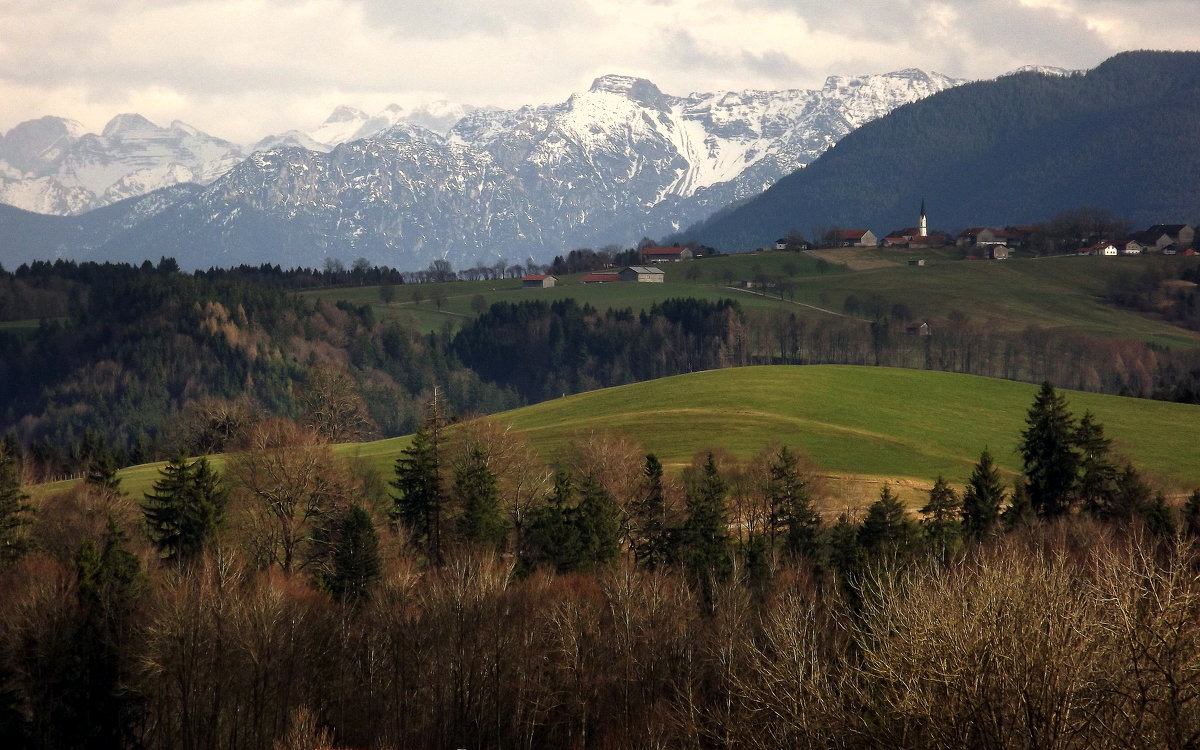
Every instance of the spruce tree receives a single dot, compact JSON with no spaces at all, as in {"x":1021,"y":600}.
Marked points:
{"x":597,"y":520}
{"x":888,"y":530}
{"x":653,"y":544}
{"x":553,"y":533}
{"x":420,"y":503}
{"x":1019,"y":512}
{"x":792,"y":512}
{"x":481,"y":520}
{"x":1049,"y":453}
{"x":98,"y":705}
{"x":102,"y":470}
{"x":705,"y":537}
{"x":941,"y":524}
{"x":356,"y":563}
{"x":1191,"y":514}
{"x":983,"y":498}
{"x":1096,"y":485}
{"x":1159,"y":517}
{"x":15,"y":511}
{"x":185,"y":508}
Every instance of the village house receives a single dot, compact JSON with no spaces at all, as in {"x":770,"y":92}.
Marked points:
{"x":1131,"y":247}
{"x":982,"y":236}
{"x":665,"y":254}
{"x":642,"y":274}
{"x":922,"y":329}
{"x":1179,"y":235}
{"x":855,"y":238}
{"x":1100,"y":248}
{"x":537,"y":281}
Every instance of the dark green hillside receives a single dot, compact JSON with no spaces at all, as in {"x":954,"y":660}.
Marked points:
{"x":1124,"y":137}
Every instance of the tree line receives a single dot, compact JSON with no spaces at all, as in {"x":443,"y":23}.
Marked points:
{"x":480,"y":597}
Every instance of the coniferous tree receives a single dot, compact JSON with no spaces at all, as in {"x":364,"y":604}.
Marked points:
{"x":887,"y":529}
{"x":941,"y":525}
{"x":1048,"y":450}
{"x":102,"y":470}
{"x":1191,"y":514}
{"x":792,"y":510}
{"x":1096,"y":485}
{"x":421,"y":502}
{"x":1129,"y":496}
{"x":1020,"y":510}
{"x":98,"y":704}
{"x":481,"y":520}
{"x":356,"y":563}
{"x":654,"y":541}
{"x":185,"y":508}
{"x":1159,"y":517}
{"x":705,"y":538}
{"x":553,"y":533}
{"x":14,"y":512}
{"x":983,"y":498}
{"x":598,"y":524}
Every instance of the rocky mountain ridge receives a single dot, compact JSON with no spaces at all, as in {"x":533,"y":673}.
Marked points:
{"x":608,"y":165}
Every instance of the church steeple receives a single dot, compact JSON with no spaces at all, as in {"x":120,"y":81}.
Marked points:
{"x":922,"y":222}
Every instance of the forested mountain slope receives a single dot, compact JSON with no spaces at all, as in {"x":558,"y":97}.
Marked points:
{"x":1123,"y":137}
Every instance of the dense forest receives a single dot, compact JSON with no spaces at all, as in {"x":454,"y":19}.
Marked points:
{"x":484,"y":599}
{"x":999,"y":152}
{"x":141,"y":361}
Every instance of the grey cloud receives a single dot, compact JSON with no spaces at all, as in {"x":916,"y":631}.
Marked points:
{"x":454,"y":18}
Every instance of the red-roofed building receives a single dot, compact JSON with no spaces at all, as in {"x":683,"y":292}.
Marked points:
{"x":652,"y":254}
{"x":537,"y":281}
{"x":599,"y":278}
{"x":856,"y":238}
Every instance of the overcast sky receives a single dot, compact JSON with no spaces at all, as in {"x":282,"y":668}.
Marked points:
{"x":242,"y":69}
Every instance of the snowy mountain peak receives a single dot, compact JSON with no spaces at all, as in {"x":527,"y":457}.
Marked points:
{"x":345,"y":114}
{"x":638,"y":89}
{"x":1046,"y":70}
{"x":126,"y":123}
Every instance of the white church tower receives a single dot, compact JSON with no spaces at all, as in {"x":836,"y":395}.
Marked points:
{"x":922,"y":223}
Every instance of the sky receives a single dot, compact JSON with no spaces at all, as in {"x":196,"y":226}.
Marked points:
{"x":243,"y":69}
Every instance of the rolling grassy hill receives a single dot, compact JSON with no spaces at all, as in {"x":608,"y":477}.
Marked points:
{"x":862,"y":425}
{"x":1012,"y":295}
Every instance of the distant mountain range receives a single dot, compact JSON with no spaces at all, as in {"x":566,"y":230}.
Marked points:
{"x":611,"y":164}
{"x":1124,"y":137}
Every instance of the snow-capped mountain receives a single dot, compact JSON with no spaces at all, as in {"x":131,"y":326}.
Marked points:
{"x":51,"y":165}
{"x":611,"y":164}
{"x":348,"y":124}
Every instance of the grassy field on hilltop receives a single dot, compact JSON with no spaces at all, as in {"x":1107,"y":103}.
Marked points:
{"x":1014,"y":294}
{"x":863,"y":425}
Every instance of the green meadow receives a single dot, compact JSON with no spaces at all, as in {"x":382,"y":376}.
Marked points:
{"x":862,"y":425}
{"x":1056,"y":292}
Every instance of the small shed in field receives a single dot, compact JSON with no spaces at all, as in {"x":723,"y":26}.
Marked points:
{"x":537,"y":281}
{"x":642,"y":274}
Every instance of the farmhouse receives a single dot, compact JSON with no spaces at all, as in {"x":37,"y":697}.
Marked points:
{"x":1132,"y":247}
{"x":599,"y":278}
{"x":665,"y":254}
{"x":642,"y":274}
{"x":1100,"y":248}
{"x":976,"y":236}
{"x":855,"y":238}
{"x":919,"y":330}
{"x":537,"y":281}
{"x":1180,"y":235}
